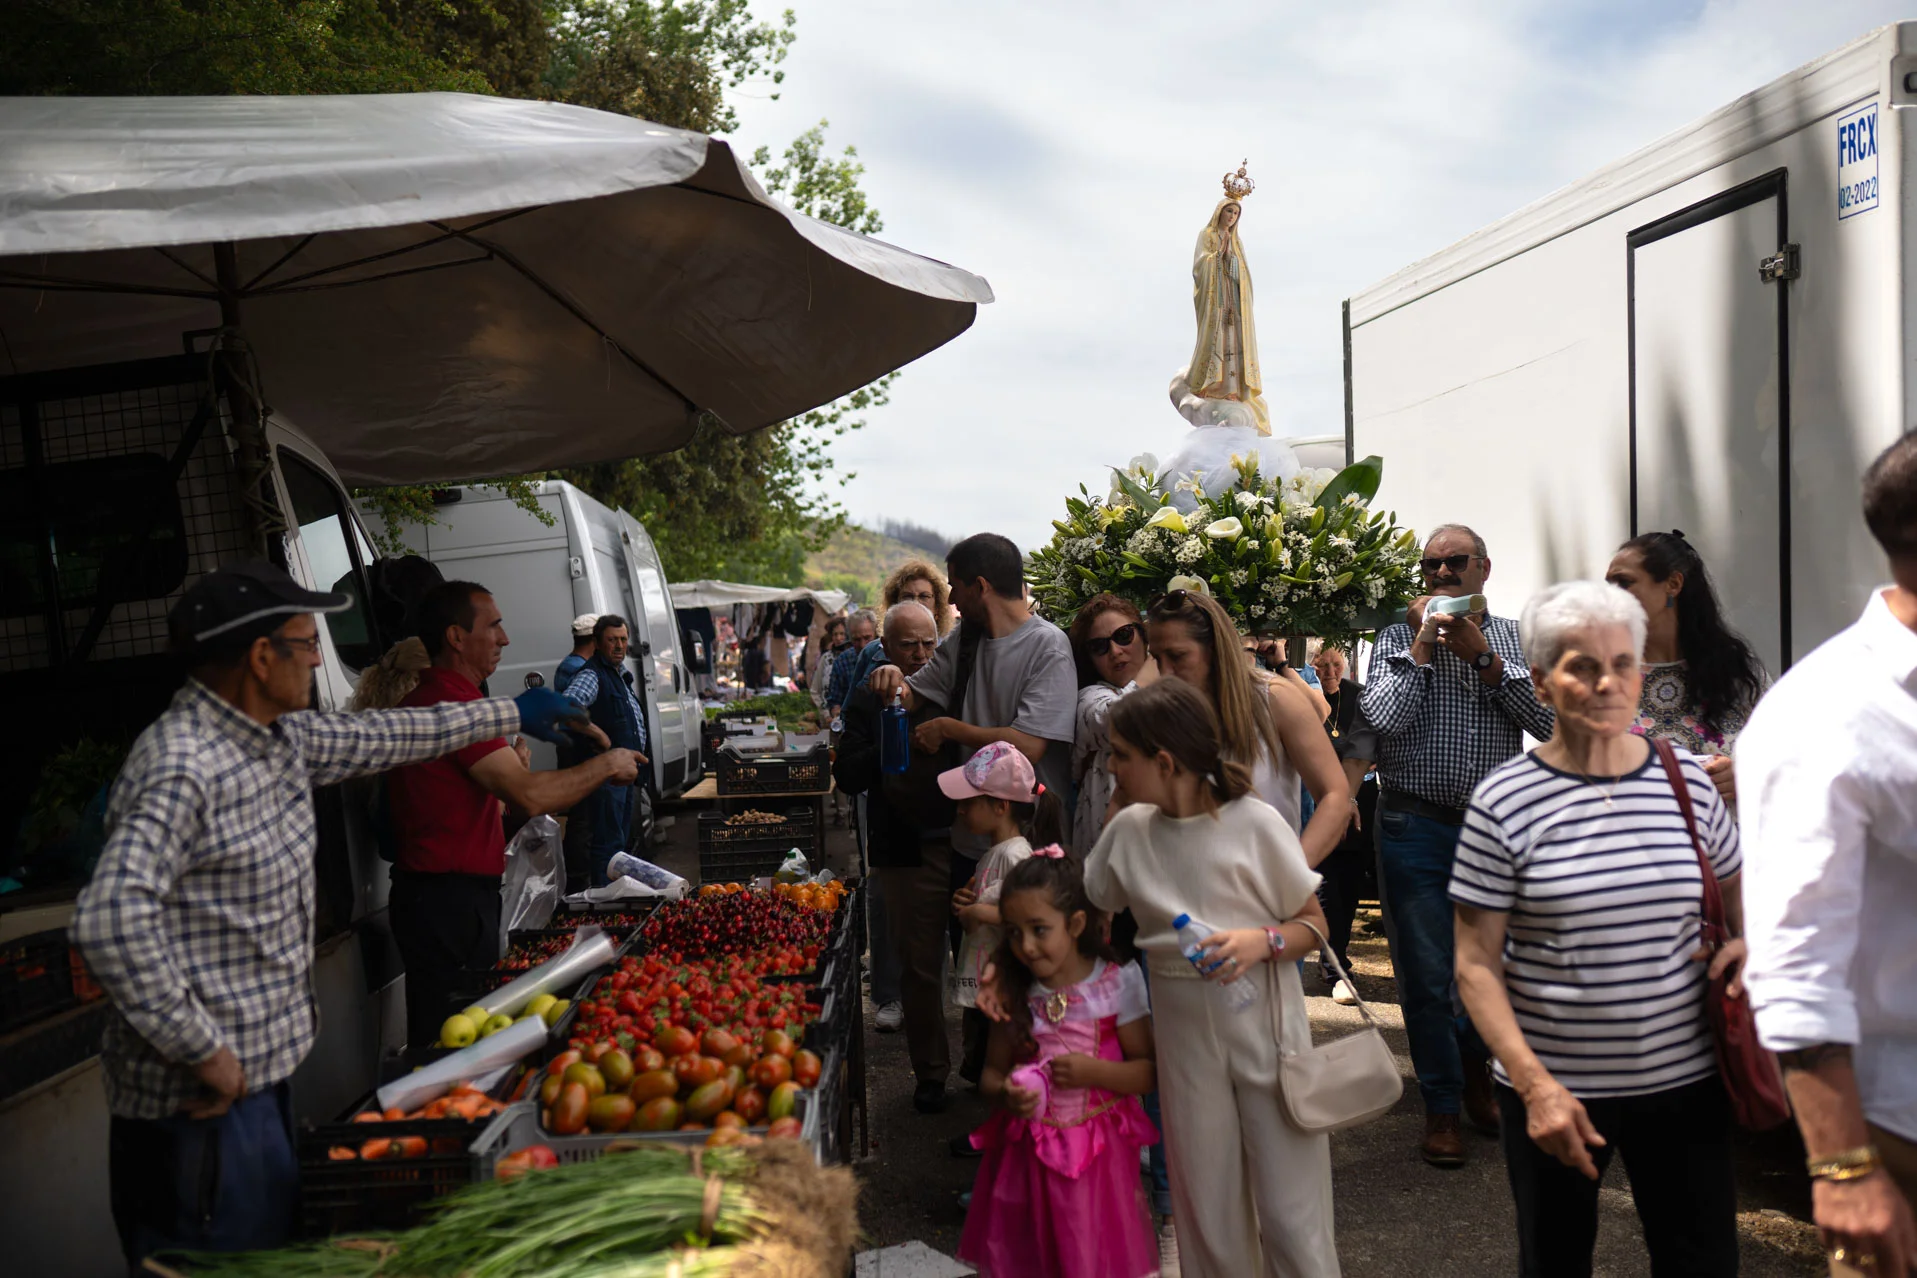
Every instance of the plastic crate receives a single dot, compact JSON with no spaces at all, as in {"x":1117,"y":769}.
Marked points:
{"x":36,"y":977}
{"x":340,"y":1195}
{"x":799,"y":773}
{"x":519,"y":1127}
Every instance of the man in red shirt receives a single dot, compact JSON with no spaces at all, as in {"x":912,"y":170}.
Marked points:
{"x":447,"y":814}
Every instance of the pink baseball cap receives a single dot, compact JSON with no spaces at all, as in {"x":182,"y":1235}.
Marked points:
{"x":999,"y":769}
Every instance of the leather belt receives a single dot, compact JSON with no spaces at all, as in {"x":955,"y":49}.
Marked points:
{"x":1399,"y":801}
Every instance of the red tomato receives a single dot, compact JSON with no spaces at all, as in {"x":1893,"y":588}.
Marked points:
{"x":717,"y":1043}
{"x":805,"y":1069}
{"x":784,"y":1128}
{"x":749,"y":1105}
{"x":675,"y":1041}
{"x":568,"y":1114}
{"x":777,"y":1042}
{"x":561,"y":1061}
{"x":647,"y":1059}
{"x":742,"y":1054}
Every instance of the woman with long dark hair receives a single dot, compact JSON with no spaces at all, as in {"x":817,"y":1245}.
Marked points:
{"x":1701,"y":678}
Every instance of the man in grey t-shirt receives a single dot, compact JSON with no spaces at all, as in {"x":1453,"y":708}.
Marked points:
{"x":1023,"y":686}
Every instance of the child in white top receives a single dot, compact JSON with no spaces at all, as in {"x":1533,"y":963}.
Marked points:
{"x":998,"y":796}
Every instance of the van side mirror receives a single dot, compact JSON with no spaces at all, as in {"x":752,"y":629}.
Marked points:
{"x":534,"y":679}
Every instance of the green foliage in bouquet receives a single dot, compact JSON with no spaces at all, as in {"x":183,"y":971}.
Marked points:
{"x":1305,"y":556}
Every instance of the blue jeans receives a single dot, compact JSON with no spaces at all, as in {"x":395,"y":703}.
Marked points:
{"x":611,"y":828}
{"x":205,"y":1184}
{"x":1414,"y":876}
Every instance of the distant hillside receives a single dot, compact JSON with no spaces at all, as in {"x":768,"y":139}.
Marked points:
{"x":857,"y":561}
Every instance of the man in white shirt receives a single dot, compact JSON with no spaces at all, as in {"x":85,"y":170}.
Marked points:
{"x":1827,"y":774}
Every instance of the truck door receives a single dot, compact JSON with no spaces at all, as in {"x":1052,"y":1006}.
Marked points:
{"x":1710,"y":398}
{"x":664,"y":668}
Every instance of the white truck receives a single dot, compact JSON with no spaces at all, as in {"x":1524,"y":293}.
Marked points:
{"x":1715,"y":334}
{"x":591,"y":558}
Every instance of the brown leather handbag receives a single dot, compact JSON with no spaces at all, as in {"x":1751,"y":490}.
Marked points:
{"x":1749,"y":1072}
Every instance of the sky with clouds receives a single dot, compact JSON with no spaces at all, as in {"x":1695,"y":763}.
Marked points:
{"x":1070,"y":151}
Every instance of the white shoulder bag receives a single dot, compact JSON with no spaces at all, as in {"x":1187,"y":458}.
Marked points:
{"x":1345,"y":1082}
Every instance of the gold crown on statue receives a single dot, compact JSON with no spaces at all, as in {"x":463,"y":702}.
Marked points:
{"x":1238,"y":185}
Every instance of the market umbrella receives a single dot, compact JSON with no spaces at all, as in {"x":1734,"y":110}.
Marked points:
{"x":441,"y":286}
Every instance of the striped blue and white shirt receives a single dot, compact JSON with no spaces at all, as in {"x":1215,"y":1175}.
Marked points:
{"x":1604,"y":903}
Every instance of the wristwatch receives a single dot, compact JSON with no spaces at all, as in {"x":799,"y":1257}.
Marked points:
{"x":1484,"y":659}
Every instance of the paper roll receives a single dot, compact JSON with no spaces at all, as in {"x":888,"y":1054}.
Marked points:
{"x":591,"y":948}
{"x":494,"y":1052}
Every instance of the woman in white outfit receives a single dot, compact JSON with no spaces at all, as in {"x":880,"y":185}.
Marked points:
{"x":1252,"y":1193}
{"x":1275,"y":727}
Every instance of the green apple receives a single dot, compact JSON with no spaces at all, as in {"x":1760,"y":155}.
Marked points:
{"x":497,"y":1023}
{"x":555,"y":1010}
{"x":458,"y":1031}
{"x":540,"y":1003}
{"x":477,"y":1014}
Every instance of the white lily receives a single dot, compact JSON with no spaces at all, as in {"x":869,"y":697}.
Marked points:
{"x":1226,"y":529}
{"x":1191,"y":585}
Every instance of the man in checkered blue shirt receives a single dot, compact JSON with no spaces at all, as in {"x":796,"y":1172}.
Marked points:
{"x":1450,"y":701}
{"x":199,"y":918}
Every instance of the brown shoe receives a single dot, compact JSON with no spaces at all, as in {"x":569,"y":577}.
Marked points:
{"x":1443,"y":1145}
{"x":1480,"y":1096}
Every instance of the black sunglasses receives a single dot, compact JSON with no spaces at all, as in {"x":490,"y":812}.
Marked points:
{"x":1123,"y":637}
{"x":1456,"y":563}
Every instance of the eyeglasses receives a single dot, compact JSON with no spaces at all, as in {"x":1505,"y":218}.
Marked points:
{"x":309,"y":645}
{"x":1123,"y":637}
{"x":1456,"y":563}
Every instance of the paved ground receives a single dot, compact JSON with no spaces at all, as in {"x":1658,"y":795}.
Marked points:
{"x":1396,"y":1217}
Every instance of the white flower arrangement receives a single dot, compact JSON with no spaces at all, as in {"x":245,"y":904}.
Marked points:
{"x":1305,"y":556}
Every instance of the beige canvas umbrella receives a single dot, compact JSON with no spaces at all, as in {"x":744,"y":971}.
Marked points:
{"x":443,"y":286}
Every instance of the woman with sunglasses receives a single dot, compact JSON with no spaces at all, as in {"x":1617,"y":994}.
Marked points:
{"x":1108,"y":643}
{"x":1271,"y":724}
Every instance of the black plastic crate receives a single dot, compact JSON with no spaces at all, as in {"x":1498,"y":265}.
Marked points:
{"x":797,"y":823}
{"x":797,"y":773}
{"x":339,"y":1195}
{"x":36,"y":977}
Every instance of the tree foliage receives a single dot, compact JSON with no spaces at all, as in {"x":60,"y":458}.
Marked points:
{"x":751,"y":507}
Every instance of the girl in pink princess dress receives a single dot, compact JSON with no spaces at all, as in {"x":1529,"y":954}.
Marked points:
{"x":1058,"y":1191}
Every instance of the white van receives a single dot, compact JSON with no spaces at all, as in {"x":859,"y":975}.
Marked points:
{"x":591,"y":559}
{"x":1714,"y":334}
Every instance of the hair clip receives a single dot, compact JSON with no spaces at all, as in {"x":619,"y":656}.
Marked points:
{"x":1038,"y":788}
{"x":1051,"y":852}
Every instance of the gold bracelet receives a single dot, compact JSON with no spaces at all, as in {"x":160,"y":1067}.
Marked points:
{"x":1849,"y":1164}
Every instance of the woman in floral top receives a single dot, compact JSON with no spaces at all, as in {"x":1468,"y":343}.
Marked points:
{"x":1701,"y":678}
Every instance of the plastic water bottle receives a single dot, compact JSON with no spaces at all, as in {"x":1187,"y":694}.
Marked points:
{"x":895,"y":736}
{"x":1239,"y":995}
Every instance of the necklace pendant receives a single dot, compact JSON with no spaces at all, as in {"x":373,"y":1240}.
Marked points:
{"x":1056,"y":1005}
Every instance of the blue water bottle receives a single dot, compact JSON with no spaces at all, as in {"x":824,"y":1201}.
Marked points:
{"x":895,"y":736}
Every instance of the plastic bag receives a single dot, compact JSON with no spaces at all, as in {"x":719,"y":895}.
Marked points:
{"x":624,"y":866}
{"x":535,"y":878}
{"x":794,"y":869}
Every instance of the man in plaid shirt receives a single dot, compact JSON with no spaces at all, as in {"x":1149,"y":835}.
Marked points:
{"x":1450,"y":701}
{"x":199,"y":918}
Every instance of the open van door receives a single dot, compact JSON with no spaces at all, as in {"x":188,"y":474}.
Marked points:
{"x":674,"y":697}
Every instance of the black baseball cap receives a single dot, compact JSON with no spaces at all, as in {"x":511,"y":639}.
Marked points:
{"x":249,"y":592}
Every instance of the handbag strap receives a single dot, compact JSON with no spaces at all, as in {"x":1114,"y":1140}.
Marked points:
{"x":1713,"y":895}
{"x":1331,"y":956}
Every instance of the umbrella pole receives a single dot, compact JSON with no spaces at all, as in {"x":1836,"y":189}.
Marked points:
{"x":234,"y":367}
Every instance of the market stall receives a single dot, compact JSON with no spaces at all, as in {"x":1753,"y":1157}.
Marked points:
{"x":774,"y":618}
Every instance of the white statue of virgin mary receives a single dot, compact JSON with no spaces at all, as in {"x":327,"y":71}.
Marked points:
{"x":1224,"y":363}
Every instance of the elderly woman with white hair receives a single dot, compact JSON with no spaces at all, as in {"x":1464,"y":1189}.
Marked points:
{"x":1579,"y":897}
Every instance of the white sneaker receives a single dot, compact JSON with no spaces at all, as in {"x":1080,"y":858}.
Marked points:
{"x":1343,"y":995}
{"x":1167,"y":1249}
{"x":889,"y":1018}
